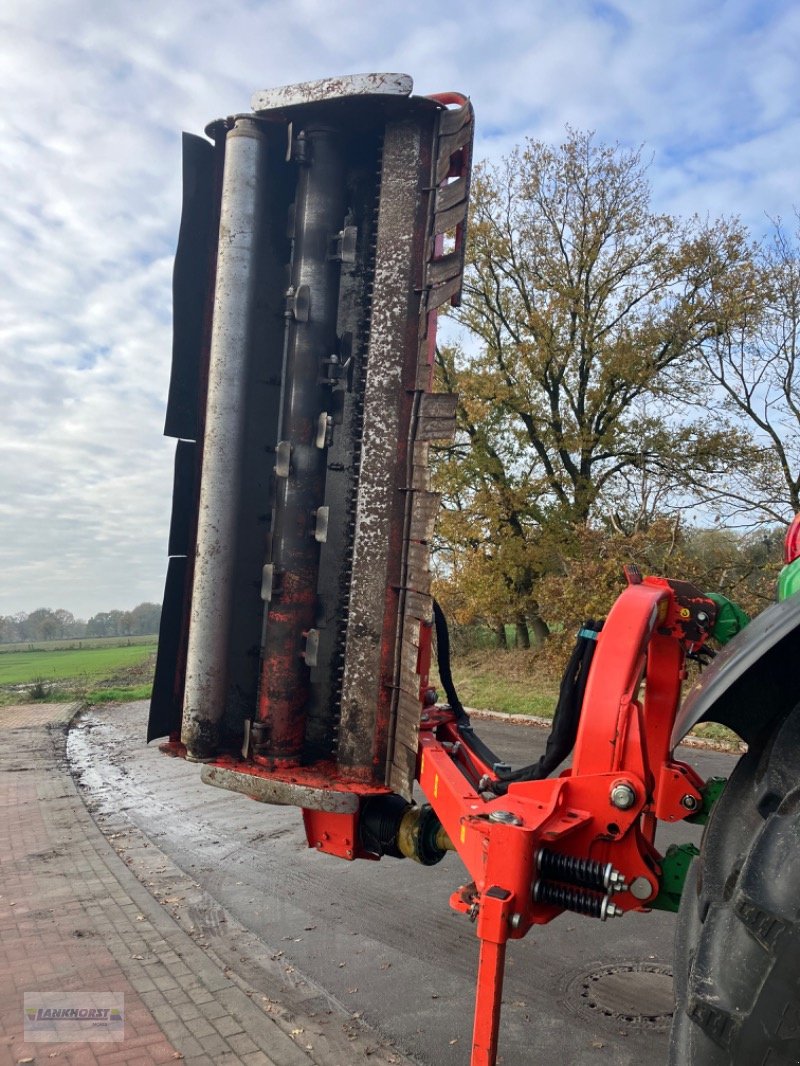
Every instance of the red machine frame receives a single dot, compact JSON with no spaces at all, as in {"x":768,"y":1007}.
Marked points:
{"x":604,"y":808}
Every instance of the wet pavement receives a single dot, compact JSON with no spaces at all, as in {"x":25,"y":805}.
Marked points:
{"x":373,"y":942}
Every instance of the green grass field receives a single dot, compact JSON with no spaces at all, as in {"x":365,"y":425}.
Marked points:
{"x":74,"y":645}
{"x":25,"y":667}
{"x":92,"y":671}
{"x":492,"y":691}
{"x":514,"y":683}
{"x":509,"y":681}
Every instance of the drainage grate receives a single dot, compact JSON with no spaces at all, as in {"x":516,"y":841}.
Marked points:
{"x":635,"y":994}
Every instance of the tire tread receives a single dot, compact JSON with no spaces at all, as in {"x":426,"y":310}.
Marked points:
{"x":737,"y":961}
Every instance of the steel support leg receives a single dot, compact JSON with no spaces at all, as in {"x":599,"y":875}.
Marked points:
{"x":496,"y":908}
{"x":491,"y":967}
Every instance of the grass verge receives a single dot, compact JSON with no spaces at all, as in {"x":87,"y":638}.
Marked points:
{"x":110,"y":673}
{"x":511,"y":682}
{"x":119,"y":694}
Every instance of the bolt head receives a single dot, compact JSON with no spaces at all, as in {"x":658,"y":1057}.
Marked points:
{"x":505,"y":817}
{"x":610,"y":910}
{"x":689,"y":802}
{"x":516,"y":921}
{"x":616,"y":881}
{"x":622,"y":796}
{"x":641,"y":888}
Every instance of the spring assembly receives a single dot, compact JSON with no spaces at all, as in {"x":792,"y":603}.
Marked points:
{"x":572,"y":870}
{"x":575,"y":899}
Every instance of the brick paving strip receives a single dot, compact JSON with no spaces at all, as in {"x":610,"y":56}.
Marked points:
{"x":74,"y":917}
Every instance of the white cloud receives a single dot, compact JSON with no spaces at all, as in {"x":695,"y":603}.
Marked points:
{"x":95,"y":98}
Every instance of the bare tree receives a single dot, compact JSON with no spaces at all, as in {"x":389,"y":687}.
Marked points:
{"x":755,"y":364}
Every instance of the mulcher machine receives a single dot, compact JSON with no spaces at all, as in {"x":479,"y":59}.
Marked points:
{"x":320,"y":235}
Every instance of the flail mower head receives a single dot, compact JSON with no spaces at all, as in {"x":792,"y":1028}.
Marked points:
{"x":320,"y":234}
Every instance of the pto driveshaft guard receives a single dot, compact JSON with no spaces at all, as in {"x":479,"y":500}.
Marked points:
{"x":320,"y":234}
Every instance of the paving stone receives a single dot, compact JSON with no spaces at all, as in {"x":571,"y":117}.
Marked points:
{"x":91,"y":916}
{"x":242,"y":1044}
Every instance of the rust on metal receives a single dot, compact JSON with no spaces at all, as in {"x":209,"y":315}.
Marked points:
{"x":287,"y":655}
{"x":378,"y":183}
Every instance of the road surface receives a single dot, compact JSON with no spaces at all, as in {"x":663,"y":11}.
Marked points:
{"x":379,"y":938}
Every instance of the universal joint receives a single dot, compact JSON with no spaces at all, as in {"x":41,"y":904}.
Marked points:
{"x":390,"y":826}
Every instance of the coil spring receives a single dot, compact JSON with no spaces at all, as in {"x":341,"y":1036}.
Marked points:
{"x":588,"y":873}
{"x":569,"y":899}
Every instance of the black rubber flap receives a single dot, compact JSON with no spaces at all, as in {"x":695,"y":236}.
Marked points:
{"x":190,"y":287}
{"x":166,"y":701}
{"x":184,"y":499}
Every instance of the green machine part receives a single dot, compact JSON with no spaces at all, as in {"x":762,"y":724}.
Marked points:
{"x":674,"y":868}
{"x":675,"y":864}
{"x":731,"y":619}
{"x":710,"y":793}
{"x":789,"y":580}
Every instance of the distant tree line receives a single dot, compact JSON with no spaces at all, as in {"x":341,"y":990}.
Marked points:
{"x":47,"y":624}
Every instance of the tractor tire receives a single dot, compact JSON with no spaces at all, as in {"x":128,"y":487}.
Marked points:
{"x":737,"y":944}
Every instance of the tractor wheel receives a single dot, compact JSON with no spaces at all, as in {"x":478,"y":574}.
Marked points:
{"x":737,"y":945}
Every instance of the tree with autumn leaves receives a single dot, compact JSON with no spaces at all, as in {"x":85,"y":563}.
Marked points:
{"x":593,"y":356}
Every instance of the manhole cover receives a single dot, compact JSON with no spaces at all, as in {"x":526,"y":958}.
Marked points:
{"x":636,"y":994}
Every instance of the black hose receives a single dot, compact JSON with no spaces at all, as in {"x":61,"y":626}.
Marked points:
{"x":443,"y":659}
{"x":465,"y":730}
{"x":565,"y":719}
{"x":567,"y":713}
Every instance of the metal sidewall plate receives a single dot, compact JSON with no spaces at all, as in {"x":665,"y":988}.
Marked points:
{"x":281,"y":793}
{"x":314,"y":92}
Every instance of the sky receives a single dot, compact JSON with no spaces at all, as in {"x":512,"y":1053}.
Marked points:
{"x":94,"y":98}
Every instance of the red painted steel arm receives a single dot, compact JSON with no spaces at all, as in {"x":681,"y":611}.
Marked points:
{"x":583,"y":841}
